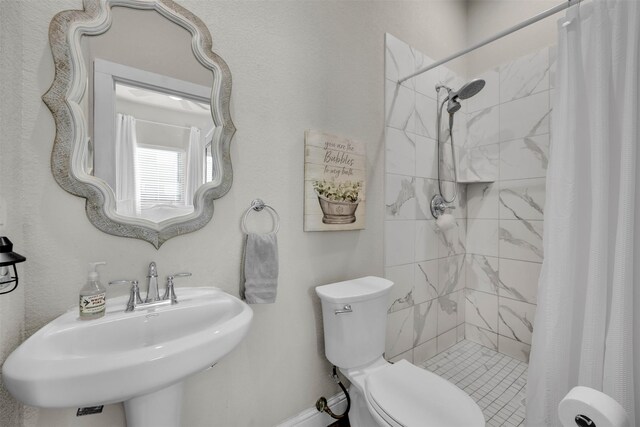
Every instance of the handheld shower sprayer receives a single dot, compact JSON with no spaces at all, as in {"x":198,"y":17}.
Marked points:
{"x":453,"y":106}
{"x":439,"y":202}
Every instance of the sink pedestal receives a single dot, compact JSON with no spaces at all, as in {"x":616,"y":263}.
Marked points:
{"x":159,"y":409}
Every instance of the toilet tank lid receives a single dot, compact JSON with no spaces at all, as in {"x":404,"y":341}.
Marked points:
{"x":355,"y":290}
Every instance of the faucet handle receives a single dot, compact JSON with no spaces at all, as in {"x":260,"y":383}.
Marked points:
{"x":169,"y":292}
{"x":134,"y":294}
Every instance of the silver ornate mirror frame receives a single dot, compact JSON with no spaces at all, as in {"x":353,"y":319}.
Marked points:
{"x":64,"y":96}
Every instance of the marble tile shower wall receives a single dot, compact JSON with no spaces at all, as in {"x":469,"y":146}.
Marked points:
{"x":479,"y":280}
{"x":507,"y":141}
{"x":426,"y":310}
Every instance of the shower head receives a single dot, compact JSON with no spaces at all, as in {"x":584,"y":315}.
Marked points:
{"x":468,"y":90}
{"x":465,"y":92}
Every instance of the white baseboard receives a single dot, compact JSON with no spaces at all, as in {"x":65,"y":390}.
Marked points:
{"x":313,"y":418}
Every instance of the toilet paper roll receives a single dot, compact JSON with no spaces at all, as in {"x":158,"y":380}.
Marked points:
{"x":586,"y":407}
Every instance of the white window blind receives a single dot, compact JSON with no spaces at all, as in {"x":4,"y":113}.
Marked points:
{"x":161,"y":176}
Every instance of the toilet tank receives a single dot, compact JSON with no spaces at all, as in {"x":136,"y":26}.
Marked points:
{"x":354,"y":314}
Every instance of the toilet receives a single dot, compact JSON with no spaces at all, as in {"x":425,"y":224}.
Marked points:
{"x":383,"y":394}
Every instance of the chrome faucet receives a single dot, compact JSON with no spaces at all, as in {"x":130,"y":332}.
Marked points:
{"x":152,"y":285}
{"x":153,"y":296}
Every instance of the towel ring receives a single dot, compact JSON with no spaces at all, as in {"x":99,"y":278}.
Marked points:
{"x":258,"y":205}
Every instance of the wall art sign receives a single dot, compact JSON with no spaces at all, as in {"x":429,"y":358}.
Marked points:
{"x":334,"y":182}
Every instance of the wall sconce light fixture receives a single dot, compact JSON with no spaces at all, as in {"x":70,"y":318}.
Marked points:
{"x":8,"y":258}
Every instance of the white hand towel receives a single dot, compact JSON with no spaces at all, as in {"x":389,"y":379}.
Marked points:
{"x":260,"y":269}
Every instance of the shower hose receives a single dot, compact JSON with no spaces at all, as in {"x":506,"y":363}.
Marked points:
{"x":453,"y":153}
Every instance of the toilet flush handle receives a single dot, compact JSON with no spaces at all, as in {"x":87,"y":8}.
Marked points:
{"x":345,"y":309}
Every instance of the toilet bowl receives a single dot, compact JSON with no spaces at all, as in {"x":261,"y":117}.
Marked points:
{"x":383,"y":394}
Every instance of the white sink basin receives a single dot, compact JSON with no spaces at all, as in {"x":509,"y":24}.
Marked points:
{"x":74,"y":363}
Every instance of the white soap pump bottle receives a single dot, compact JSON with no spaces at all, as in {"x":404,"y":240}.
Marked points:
{"x":93,"y":295}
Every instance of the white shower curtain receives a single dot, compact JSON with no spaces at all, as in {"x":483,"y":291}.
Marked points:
{"x":126,"y":183}
{"x":195,"y":165}
{"x":587,"y":327}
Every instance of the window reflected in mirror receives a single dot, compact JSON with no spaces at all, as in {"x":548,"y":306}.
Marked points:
{"x":155,"y":147}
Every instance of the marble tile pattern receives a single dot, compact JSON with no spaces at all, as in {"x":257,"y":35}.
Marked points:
{"x":480,"y":163}
{"x":425,"y":162}
{"x":524,"y":158}
{"x":400,"y":332}
{"x":483,"y":273}
{"x":482,"y":200}
{"x":483,"y":127}
{"x":521,"y":239}
{"x":426,"y":307}
{"x":525,"y":117}
{"x":426,"y":240}
{"x":425,"y":281}
{"x":400,"y":107}
{"x":483,"y":236}
{"x":524,"y":76}
{"x":403,"y":293}
{"x":481,"y":310}
{"x":400,"y":236}
{"x":424,"y":190}
{"x":514,"y":105}
{"x":425,"y":112}
{"x":401,"y":150}
{"x":519,"y":279}
{"x":478,"y":281}
{"x":505,"y":218}
{"x":522,"y":199}
{"x":400,"y":200}
{"x":515,"y":319}
{"x":453,"y":241}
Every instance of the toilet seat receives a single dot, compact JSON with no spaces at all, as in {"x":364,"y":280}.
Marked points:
{"x":405,"y":395}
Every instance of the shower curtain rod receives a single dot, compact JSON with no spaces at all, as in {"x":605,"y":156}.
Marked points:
{"x":567,"y":4}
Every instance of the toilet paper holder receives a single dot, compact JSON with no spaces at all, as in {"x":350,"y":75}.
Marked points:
{"x":584,"y":421}
{"x":586,"y":407}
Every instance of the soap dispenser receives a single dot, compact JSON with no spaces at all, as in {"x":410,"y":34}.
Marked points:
{"x":93,"y":295}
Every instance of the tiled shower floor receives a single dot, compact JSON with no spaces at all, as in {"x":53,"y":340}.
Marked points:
{"x":495,"y":381}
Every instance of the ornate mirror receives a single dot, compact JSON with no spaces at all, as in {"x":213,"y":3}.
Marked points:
{"x":141,"y":105}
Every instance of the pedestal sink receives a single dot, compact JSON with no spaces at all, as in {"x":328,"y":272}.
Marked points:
{"x":140,"y":357}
